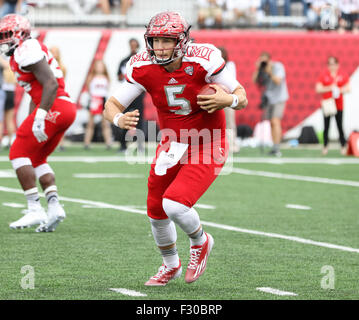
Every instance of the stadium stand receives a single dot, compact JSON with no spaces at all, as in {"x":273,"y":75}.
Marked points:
{"x":59,"y":13}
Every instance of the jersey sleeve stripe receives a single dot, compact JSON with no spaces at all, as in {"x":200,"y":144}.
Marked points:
{"x":219,"y":69}
{"x":128,"y":80}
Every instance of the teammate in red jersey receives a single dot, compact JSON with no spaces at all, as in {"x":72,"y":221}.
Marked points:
{"x":51,"y":113}
{"x":192,"y":149}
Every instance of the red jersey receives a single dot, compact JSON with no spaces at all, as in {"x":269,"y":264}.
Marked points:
{"x":30,"y":52}
{"x":341,"y":79}
{"x":175,"y":93}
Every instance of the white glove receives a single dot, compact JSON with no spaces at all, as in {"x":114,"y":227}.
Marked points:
{"x":335,"y":92}
{"x":38,"y":127}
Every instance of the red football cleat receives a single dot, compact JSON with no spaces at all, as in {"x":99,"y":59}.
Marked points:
{"x":198,"y":260}
{"x":164,"y":275}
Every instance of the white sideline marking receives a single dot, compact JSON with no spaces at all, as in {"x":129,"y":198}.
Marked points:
{"x":295,"y":177}
{"x":13,"y":205}
{"x":297,"y":206}
{"x":204,"y":206}
{"x":281,"y":236}
{"x":107,"y":175}
{"x":129,"y":292}
{"x":87,"y":202}
{"x":7,"y":174}
{"x":149,"y":158}
{"x":206,"y":223}
{"x":198,"y":205}
{"x":276,"y":291}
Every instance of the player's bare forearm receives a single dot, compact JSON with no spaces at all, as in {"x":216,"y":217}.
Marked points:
{"x":48,"y":95}
{"x":44,"y":75}
{"x":112,"y":107}
{"x":222,"y":99}
{"x":32,"y":107}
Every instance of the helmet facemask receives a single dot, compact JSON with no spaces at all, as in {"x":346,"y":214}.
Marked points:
{"x":178,"y":50}
{"x":167,"y":25}
{"x":14,"y":29}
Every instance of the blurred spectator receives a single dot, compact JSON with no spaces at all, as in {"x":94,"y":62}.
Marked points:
{"x":136,"y":104}
{"x":287,"y":7}
{"x":98,"y":85}
{"x":12,"y":6}
{"x":8,"y":87}
{"x":55,"y":51}
{"x":271,"y":76}
{"x":243,"y":9}
{"x":81,"y":7}
{"x":125,"y":5}
{"x":321,"y":13}
{"x":273,"y":7}
{"x":210,"y":13}
{"x":349,"y":14}
{"x":332,"y":84}
{"x":230,"y":113}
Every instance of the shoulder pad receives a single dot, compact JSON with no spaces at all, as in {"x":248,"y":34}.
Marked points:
{"x":207,"y":55}
{"x":28,"y":53}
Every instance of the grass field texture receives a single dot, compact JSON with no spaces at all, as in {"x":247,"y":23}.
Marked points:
{"x":272,"y":228}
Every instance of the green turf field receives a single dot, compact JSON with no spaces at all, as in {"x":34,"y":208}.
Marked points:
{"x":309,"y":249}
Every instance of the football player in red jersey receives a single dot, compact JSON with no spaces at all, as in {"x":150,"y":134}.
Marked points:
{"x":51,"y":113}
{"x":191,"y":152}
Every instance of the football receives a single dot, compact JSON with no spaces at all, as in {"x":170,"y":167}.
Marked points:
{"x":207,"y":90}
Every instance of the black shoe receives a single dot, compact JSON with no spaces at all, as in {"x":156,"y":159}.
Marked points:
{"x":275,"y":153}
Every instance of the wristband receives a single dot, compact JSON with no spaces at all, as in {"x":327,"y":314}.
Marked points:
{"x":235,"y":101}
{"x":40,"y":114}
{"x":116,"y":118}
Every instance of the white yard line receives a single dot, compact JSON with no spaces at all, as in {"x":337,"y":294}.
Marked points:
{"x":278,"y":175}
{"x":128,"y":292}
{"x":204,"y":206}
{"x":149,"y":158}
{"x":107,"y":175}
{"x":206,"y":223}
{"x":13,"y":205}
{"x":8,"y":173}
{"x":297,"y":206}
{"x":281,"y":236}
{"x":276,"y":291}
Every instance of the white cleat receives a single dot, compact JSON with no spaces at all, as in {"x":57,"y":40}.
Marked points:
{"x":56,"y":214}
{"x":32,"y":217}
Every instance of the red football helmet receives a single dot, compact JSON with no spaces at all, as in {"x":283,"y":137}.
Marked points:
{"x":167,"y":25}
{"x":14,"y":29}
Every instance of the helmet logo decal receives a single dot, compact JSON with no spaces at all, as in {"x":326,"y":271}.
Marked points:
{"x":161,"y":20}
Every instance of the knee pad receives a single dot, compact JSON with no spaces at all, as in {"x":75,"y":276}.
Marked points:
{"x":20,"y":162}
{"x":164,"y":232}
{"x":173,"y":209}
{"x":187,"y":218}
{"x":43,"y":169}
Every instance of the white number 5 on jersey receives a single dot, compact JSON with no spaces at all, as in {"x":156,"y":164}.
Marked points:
{"x":173,"y":101}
